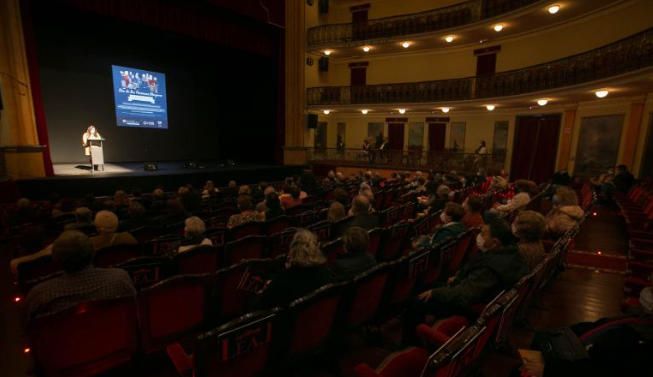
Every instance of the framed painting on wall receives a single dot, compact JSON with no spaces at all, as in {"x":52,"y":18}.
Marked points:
{"x":457,"y":139}
{"x":598,"y":144}
{"x":416,"y":135}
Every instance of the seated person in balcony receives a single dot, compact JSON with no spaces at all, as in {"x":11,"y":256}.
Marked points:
{"x":452,"y":227}
{"x":336,"y":212}
{"x":482,"y":148}
{"x":247,"y":212}
{"x":367,"y":149}
{"x":361,"y":215}
{"x":305,"y":271}
{"x":81,"y":282}
{"x":521,"y":199}
{"x":528,"y":227}
{"x":565,"y":214}
{"x":106,"y":223}
{"x":473,"y":207}
{"x":194,"y":229}
{"x":498,"y":267}
{"x":438,"y":196}
{"x":83,"y":221}
{"x":356,"y":258}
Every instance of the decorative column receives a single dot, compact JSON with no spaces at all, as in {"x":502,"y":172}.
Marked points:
{"x":295,"y":43}
{"x":20,"y":152}
{"x":564,"y":151}
{"x":633,"y":127}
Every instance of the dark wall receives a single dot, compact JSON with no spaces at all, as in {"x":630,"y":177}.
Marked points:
{"x":219,"y":99}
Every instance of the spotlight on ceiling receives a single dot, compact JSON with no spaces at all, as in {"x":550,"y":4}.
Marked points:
{"x":365,"y":111}
{"x":405,"y":44}
{"x":401,"y":111}
{"x":449,"y":38}
{"x":327,"y":52}
{"x":602,"y":93}
{"x":445,"y":109}
{"x":498,"y":27}
{"x":553,"y":9}
{"x":490,"y":107}
{"x":366,"y":48}
{"x":542,"y":101}
{"x":326,"y":112}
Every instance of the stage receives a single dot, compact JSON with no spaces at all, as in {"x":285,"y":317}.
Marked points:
{"x":77,"y":180}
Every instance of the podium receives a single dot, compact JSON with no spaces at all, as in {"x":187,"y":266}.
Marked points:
{"x":97,"y":153}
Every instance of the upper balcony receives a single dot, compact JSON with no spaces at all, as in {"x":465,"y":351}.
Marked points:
{"x":625,"y":56}
{"x":468,"y":22}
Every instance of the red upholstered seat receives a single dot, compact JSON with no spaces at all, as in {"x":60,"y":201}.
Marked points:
{"x":322,"y":229}
{"x":408,"y":362}
{"x":393,"y":242}
{"x":440,"y":332}
{"x":61,"y":342}
{"x":333,"y":249}
{"x":113,"y":255}
{"x":366,"y":294}
{"x":32,"y":272}
{"x":198,"y":260}
{"x":172,"y":309}
{"x":375,"y":240}
{"x":146,"y":271}
{"x":276,"y":225}
{"x":280,"y":242}
{"x":250,"y":247}
{"x":251,"y":228}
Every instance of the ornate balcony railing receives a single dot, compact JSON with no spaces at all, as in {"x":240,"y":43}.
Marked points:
{"x":627,"y":55}
{"x":416,"y":23}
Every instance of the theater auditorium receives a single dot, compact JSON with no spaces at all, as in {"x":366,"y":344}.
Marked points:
{"x":326,"y":188}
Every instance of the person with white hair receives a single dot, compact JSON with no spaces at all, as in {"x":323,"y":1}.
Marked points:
{"x":106,"y":224}
{"x":194,"y":229}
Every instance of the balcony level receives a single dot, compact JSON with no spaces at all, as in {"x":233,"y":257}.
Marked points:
{"x":628,"y":62}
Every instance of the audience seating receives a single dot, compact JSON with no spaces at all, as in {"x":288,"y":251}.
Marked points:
{"x":165,"y":245}
{"x":280,"y":242}
{"x":33,"y":272}
{"x":333,"y":249}
{"x":162,"y":321}
{"x":322,"y":229}
{"x":252,"y":228}
{"x":393,"y":242}
{"x":408,"y":362}
{"x":374,"y":245}
{"x":366,"y":294}
{"x":250,"y":247}
{"x":146,"y":271}
{"x":114,"y":255}
{"x":61,"y":343}
{"x":277,"y":225}
{"x":198,"y":260}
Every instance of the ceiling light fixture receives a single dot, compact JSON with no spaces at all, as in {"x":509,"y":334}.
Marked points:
{"x":405,"y":44}
{"x":366,"y":48}
{"x":542,"y":101}
{"x":327,"y":52}
{"x":326,"y":112}
{"x":490,"y":107}
{"x":498,"y":27}
{"x":401,"y":111}
{"x":449,"y":38}
{"x":553,"y":9}
{"x":602,"y":93}
{"x":364,"y":111}
{"x":445,"y":109}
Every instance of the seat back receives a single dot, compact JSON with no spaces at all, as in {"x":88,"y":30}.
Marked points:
{"x":390,"y":216}
{"x":146,"y":271}
{"x":311,"y":319}
{"x":440,"y":363}
{"x":165,"y":245}
{"x":404,"y":278}
{"x":280,"y":242}
{"x":374,"y":245}
{"x":113,"y":255}
{"x":60,"y":342}
{"x":34,"y":270}
{"x":250,"y":228}
{"x":408,"y":211}
{"x":240,"y":348}
{"x":333,"y":249}
{"x":322,"y":229}
{"x":218,"y":236}
{"x":456,"y":255}
{"x":171,"y":309}
{"x":394,"y":241}
{"x":250,"y":247}
{"x":233,"y":286}
{"x":198,"y":260}
{"x":276,"y":225}
{"x":365,"y":294}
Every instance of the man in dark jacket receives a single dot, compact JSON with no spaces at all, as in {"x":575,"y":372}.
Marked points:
{"x":497,"y":268}
{"x":360,"y":216}
{"x":451,"y":226}
{"x":624,"y":179}
{"x":356,"y":258}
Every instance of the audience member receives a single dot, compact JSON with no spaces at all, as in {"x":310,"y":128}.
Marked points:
{"x":520,"y":200}
{"x":529,"y":227}
{"x":473,"y":208}
{"x":194,"y":229}
{"x":305,"y":272}
{"x":136,"y":217}
{"x":272,"y":206}
{"x":81,"y":282}
{"x":566,"y":213}
{"x":498,"y":267}
{"x":291,"y":197}
{"x":336,"y":212}
{"x":106,"y":224}
{"x":341,"y":196}
{"x":623,"y":180}
{"x":356,"y":258}
{"x":32,"y":243}
{"x":83,"y":221}
{"x":361,"y":216}
{"x":25,"y":213}
{"x":247,"y":212}
{"x":209,"y":190}
{"x":451,"y":226}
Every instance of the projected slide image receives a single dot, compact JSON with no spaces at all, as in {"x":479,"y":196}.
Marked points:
{"x":140,"y":98}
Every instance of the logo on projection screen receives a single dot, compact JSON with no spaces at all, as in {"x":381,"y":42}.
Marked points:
{"x":140,"y":98}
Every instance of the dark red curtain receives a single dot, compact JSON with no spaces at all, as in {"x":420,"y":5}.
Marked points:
{"x":535,"y":147}
{"x":358,"y":76}
{"x":396,"y":136}
{"x":486,"y":64}
{"x":437,"y":134}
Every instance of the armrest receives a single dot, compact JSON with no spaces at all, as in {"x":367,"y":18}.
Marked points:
{"x":180,"y":359}
{"x":364,"y":370}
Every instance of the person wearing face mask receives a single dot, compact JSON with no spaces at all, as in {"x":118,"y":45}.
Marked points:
{"x":566,"y":213}
{"x":451,"y":225}
{"x":529,"y":228}
{"x":498,"y":267}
